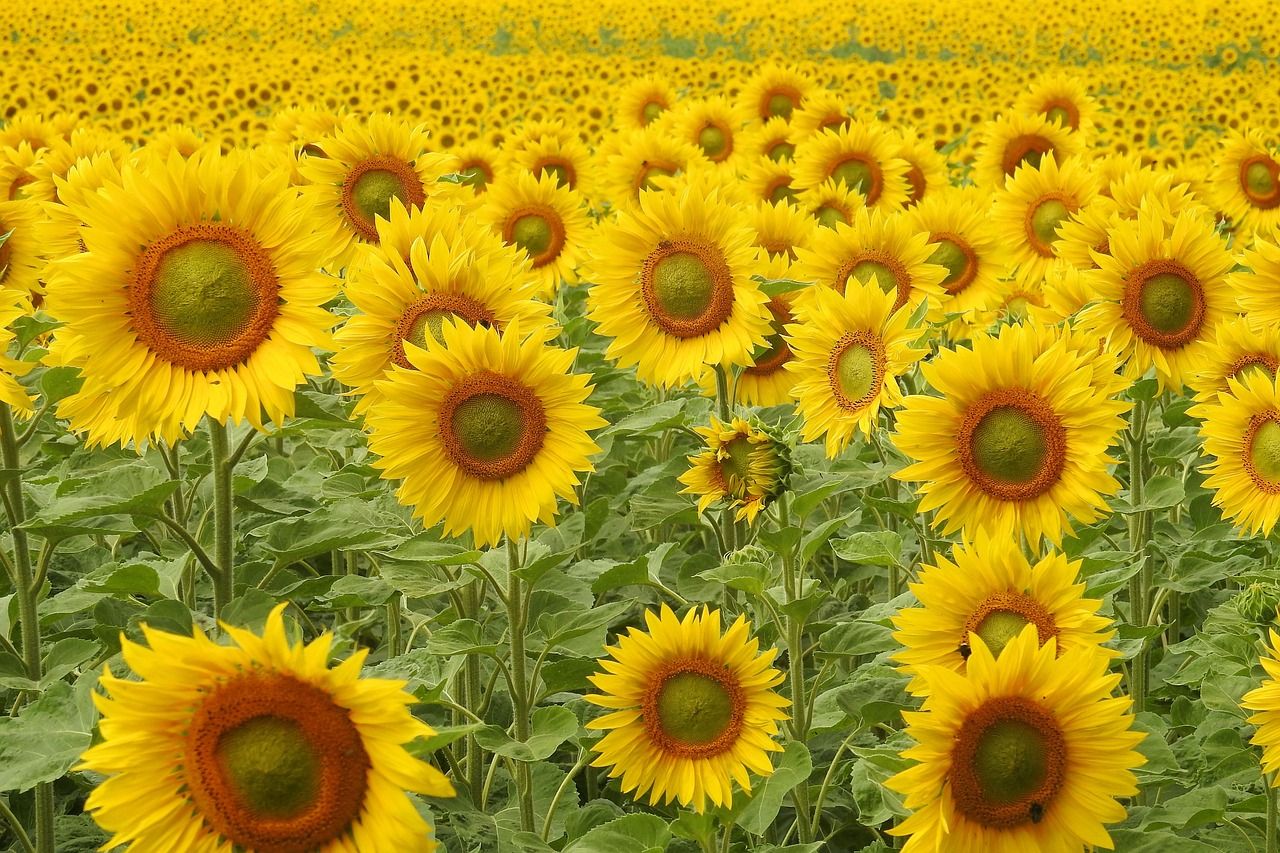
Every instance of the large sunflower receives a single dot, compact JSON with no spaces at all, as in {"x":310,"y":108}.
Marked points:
{"x":1241,"y":432}
{"x":1027,"y":751}
{"x":485,"y":431}
{"x":1246,"y":181}
{"x":691,"y":710}
{"x":1160,"y":293}
{"x":1017,"y":140}
{"x":875,"y":246}
{"x":1236,"y":348}
{"x":673,"y":290}
{"x":257,"y":746}
{"x":20,"y":246}
{"x":1018,"y":441}
{"x":369,"y":165}
{"x":429,"y":265}
{"x":742,"y":465}
{"x":542,"y":219}
{"x":861,"y":156}
{"x":989,"y":588}
{"x":848,"y":350}
{"x":963,"y":241}
{"x":1033,"y":204}
{"x":197,"y":295}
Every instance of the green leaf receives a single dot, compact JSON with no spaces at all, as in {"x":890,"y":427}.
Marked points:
{"x":1161,"y":492}
{"x":752,"y":578}
{"x":874,"y":548}
{"x":794,"y":767}
{"x":550,"y":727}
{"x":44,"y":740}
{"x":820,"y":535}
{"x":58,"y":383}
{"x":634,"y":833}
{"x":561,"y":627}
{"x":444,"y":736}
{"x":857,"y":638}
{"x":642,"y":570}
{"x":348,"y":525}
{"x":464,"y":637}
{"x":101,"y":502}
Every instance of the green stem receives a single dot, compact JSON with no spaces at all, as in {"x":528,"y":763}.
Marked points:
{"x":583,"y":757}
{"x":223,"y":519}
{"x":474,"y":761}
{"x":793,"y":574}
{"x":724,"y":406}
{"x":516,"y":621}
{"x":21,"y":834}
{"x":26,"y":591}
{"x":1273,"y":811}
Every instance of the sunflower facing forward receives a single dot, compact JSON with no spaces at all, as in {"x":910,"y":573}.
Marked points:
{"x":1241,"y":431}
{"x":485,"y":431}
{"x":691,"y":710}
{"x":742,"y":465}
{"x":1018,"y":440}
{"x":673,"y":289}
{"x":1027,"y":751}
{"x":197,"y":295}
{"x":1246,"y":181}
{"x":257,"y":746}
{"x":542,"y":219}
{"x":989,"y":588}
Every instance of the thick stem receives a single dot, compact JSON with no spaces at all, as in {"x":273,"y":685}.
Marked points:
{"x":516,"y":621}
{"x":724,"y":407}
{"x":1273,"y":811}
{"x":26,"y":591}
{"x":793,"y":572}
{"x":1140,"y":584}
{"x":473,"y":596}
{"x":223,"y":520}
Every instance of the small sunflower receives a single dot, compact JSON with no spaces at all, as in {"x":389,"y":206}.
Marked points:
{"x":485,"y":430}
{"x":641,"y":102}
{"x":1027,"y":751}
{"x":1063,"y":100}
{"x":775,"y":91}
{"x":21,"y":261}
{"x":965,"y":244}
{"x":642,"y":157}
{"x":822,"y":110}
{"x":62,"y":154}
{"x":479,"y":164}
{"x":1017,"y":140}
{"x":1086,"y":232}
{"x":177,"y":137}
{"x":257,"y":746}
{"x":17,"y":166}
{"x":713,"y":126}
{"x":35,"y":130}
{"x":1245,"y":184}
{"x":989,"y":588}
{"x":197,"y":295}
{"x":926,"y":168}
{"x":429,"y":266}
{"x":691,"y":710}
{"x":742,"y":465}
{"x":1264,"y":701}
{"x":1257,"y":287}
{"x":1138,"y":188}
{"x":60,"y":232}
{"x":367,"y":166}
{"x":1033,"y":204}
{"x":781,"y":229}
{"x":674,"y":289}
{"x":1237,"y":348}
{"x":861,"y":156}
{"x":551,"y":150}
{"x":1241,"y":432}
{"x":1161,"y":292}
{"x":876,"y":246}
{"x":542,"y":219}
{"x":770,"y":139}
{"x":766,"y":382}
{"x":831,"y":204}
{"x":848,"y":350}
{"x":1064,"y":292}
{"x":772,"y":182}
{"x":1018,"y":441}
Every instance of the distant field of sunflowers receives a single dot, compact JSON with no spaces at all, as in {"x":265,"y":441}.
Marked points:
{"x":588,"y":426}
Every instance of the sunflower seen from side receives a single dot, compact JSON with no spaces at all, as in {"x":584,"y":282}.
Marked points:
{"x":1026,"y":751}
{"x":673,"y":288}
{"x":13,"y":304}
{"x":485,"y":430}
{"x":545,"y":221}
{"x":198,"y":295}
{"x":1018,"y":441}
{"x":692,"y":710}
{"x":1237,"y":348}
{"x":21,"y":261}
{"x":259,"y":745}
{"x":991,"y":589}
{"x":1257,"y":286}
{"x":848,"y":350}
{"x":743,"y":466}
{"x":1241,"y":432}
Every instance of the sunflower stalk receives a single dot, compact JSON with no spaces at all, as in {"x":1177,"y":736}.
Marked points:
{"x":1273,"y":812}
{"x":223,"y":520}
{"x":27,"y":591}
{"x":517,"y":623}
{"x":724,"y":406}
{"x":1139,"y":535}
{"x":793,"y":574}
{"x":472,"y":597}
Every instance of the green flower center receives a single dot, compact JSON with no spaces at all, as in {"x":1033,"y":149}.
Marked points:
{"x":475,"y":176}
{"x":780,"y":104}
{"x":737,"y":462}
{"x":954,"y":258}
{"x":1060,"y":115}
{"x":780,"y":151}
{"x":782,"y":192}
{"x":203,"y":293}
{"x":694,"y":708}
{"x":270,"y":764}
{"x":999,"y":628}
{"x":428,"y":321}
{"x":1046,"y":218}
{"x":855,"y":174}
{"x":488,"y":427}
{"x":6,"y":250}
{"x":876,"y":271}
{"x":1167,"y":302}
{"x":651,"y":111}
{"x":1009,"y":445}
{"x":1259,"y":180}
{"x":829,"y":216}
{"x":1011,"y":761}
{"x":559,"y":170}
{"x":532,"y":233}
{"x":1264,"y":451}
{"x":712,"y":140}
{"x":374,"y":190}
{"x":647,"y":181}
{"x":683,"y":285}
{"x":856,"y":372}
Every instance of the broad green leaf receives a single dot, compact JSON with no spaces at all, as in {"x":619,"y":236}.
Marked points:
{"x":634,"y":833}
{"x":550,"y":727}
{"x":348,"y":525}
{"x":44,"y":740}
{"x":875,"y":548}
{"x":793,"y":767}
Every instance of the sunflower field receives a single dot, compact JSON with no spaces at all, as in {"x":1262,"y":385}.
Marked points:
{"x":587,"y":426}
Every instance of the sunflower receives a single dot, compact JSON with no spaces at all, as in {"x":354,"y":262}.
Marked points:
{"x":1161,"y":293}
{"x":1086,"y":232}
{"x":1245,"y":184}
{"x":485,"y":430}
{"x":926,"y":168}
{"x":1018,"y":441}
{"x":550,"y":150}
{"x":766,"y":382}
{"x":542,"y":219}
{"x":1033,"y":204}
{"x":197,"y":295}
{"x":774,"y":91}
{"x":59,"y":233}
{"x":822,"y":110}
{"x":1237,"y":347}
{"x":849,"y":348}
{"x":773,"y":182}
{"x":34,"y":130}
{"x":781,"y":228}
{"x":20,"y":247}
{"x":991,"y":589}
{"x":673,"y":290}
{"x":641,"y":157}
{"x":301,"y":129}
{"x":1027,"y":751}
{"x":831,"y":204}
{"x":13,"y":304}
{"x":1063,"y":100}
{"x":177,"y":137}
{"x":429,"y":265}
{"x":1258,"y":285}
{"x":878,"y":246}
{"x":368,"y":166}
{"x":1136,"y":189}
{"x":712,"y":125}
{"x":1264,"y":700}
{"x":742,"y":465}
{"x":1064,"y":292}
{"x":16,"y":176}
{"x":770,"y":139}
{"x":54,"y":163}
{"x":1241,"y":431}
{"x":479,"y":164}
{"x":642,"y":101}
{"x":861,"y":156}
{"x":965,"y":244}
{"x":1016,"y":140}
{"x":691,"y":710}
{"x":257,"y":746}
